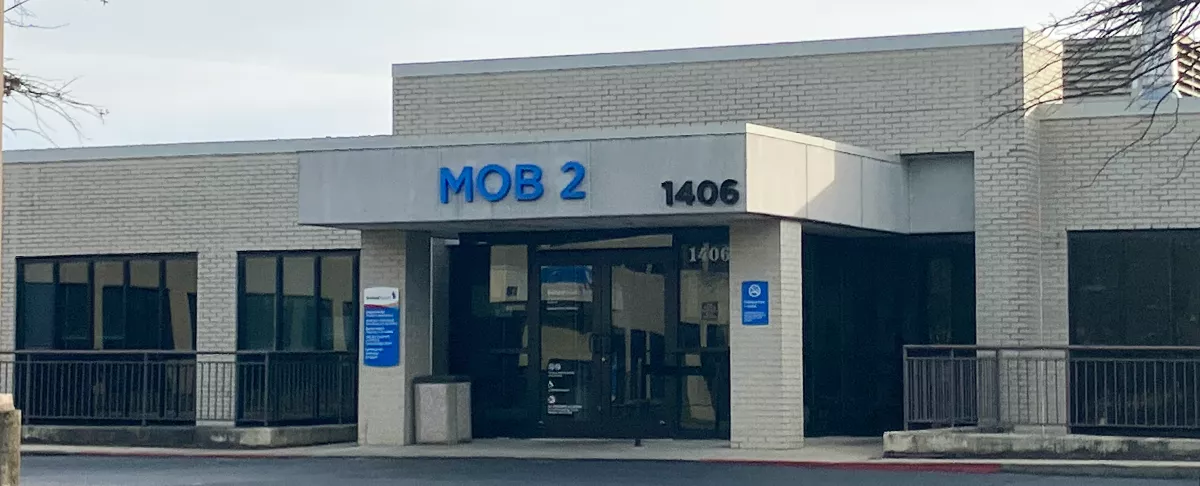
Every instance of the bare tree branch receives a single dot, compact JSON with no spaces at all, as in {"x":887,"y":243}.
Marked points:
{"x":39,"y":96}
{"x":17,"y":5}
{"x":1110,"y":48}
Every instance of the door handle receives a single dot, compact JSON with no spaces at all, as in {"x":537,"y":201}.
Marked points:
{"x":595,"y":346}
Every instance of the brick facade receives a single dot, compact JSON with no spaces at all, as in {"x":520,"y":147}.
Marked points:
{"x":903,"y":102}
{"x":1148,"y":186}
{"x":1033,"y":183}
{"x":211,"y":206}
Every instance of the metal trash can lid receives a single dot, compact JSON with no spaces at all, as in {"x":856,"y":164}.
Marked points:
{"x":437,"y":379}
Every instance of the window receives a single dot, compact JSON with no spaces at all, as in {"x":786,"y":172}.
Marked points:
{"x":298,"y":301}
{"x":339,"y":307}
{"x":179,"y":286}
{"x":1134,"y":288}
{"x":36,"y":317}
{"x":107,"y":302}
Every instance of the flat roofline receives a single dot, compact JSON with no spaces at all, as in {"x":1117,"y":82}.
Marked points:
{"x":267,"y":147}
{"x":286,"y":146}
{"x":716,"y":53}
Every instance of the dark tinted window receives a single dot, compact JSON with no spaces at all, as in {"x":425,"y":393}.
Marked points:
{"x":298,"y":301}
{"x":37,"y":306}
{"x":339,"y":312}
{"x":105,"y":302}
{"x":298,"y":326}
{"x":256,"y":321}
{"x":1134,"y":288}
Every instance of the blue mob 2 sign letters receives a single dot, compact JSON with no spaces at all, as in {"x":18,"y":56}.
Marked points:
{"x":381,"y":326}
{"x":524,"y":183}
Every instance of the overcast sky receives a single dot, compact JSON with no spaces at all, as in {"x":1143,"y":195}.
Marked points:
{"x":199,"y":70}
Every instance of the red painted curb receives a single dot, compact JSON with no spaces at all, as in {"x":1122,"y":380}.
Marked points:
{"x":962,"y":468}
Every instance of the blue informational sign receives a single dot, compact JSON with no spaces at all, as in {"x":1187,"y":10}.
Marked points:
{"x":755,"y":303}
{"x":381,"y":326}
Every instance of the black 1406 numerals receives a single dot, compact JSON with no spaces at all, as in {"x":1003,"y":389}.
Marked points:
{"x":706,"y":192}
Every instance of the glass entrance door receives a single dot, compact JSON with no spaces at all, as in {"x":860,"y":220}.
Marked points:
{"x":569,"y":354}
{"x":603,"y":321}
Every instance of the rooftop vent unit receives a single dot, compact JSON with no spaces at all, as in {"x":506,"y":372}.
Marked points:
{"x":1106,"y":66}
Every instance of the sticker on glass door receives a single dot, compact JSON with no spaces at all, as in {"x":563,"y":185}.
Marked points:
{"x":560,"y":388}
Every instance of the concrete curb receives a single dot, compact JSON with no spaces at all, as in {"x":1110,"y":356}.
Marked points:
{"x":1048,"y":468}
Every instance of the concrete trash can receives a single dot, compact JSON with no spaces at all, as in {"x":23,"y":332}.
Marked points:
{"x":443,"y":409}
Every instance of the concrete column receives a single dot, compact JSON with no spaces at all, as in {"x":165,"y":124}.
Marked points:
{"x":396,"y":259}
{"x":767,"y":374}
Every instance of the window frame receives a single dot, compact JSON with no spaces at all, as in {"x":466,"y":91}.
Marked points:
{"x":58,"y":306}
{"x":318,"y":257}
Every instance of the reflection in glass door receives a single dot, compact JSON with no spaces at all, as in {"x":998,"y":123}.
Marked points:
{"x":702,"y":343}
{"x":636,"y":343}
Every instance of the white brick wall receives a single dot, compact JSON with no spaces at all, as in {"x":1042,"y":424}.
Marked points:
{"x":213,"y":206}
{"x":898,"y":102}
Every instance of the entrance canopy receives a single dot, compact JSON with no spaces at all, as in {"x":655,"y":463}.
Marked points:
{"x":706,"y":175}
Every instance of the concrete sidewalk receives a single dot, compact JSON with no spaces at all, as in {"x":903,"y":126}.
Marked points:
{"x":839,"y":453}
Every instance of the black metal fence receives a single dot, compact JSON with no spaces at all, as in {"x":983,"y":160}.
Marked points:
{"x":1153,"y":390}
{"x":181,"y":388}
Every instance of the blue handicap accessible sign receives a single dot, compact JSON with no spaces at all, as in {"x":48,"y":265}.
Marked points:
{"x":755,"y":303}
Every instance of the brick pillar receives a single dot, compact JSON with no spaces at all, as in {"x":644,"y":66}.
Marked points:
{"x":1016,"y":258}
{"x":216,"y":332}
{"x":766,"y":362}
{"x":397,"y":259}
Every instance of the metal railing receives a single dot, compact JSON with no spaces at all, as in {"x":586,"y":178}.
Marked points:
{"x":1134,"y":389}
{"x":181,"y":388}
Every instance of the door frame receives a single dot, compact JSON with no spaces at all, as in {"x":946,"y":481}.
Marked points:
{"x":663,"y":425}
